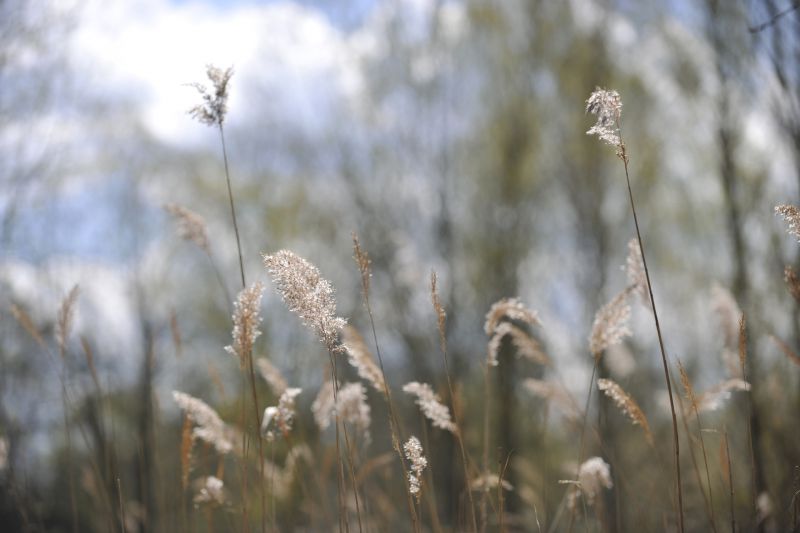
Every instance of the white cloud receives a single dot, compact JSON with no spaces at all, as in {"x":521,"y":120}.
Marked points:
{"x":152,"y":48}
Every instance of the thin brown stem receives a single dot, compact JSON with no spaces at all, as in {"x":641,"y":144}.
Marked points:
{"x":260,"y":442}
{"x":230,"y":199}
{"x":675,"y":439}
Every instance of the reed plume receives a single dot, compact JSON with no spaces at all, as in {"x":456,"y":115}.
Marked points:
{"x":627,"y":405}
{"x":431,"y":406}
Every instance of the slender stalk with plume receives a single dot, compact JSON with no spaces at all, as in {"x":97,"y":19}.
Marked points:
{"x":363,"y":262}
{"x":312,"y":298}
{"x":607,"y":107}
{"x":192,"y":228}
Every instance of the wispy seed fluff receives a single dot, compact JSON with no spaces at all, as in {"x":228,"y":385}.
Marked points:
{"x":428,"y":401}
{"x":281,"y":416}
{"x":414,"y":453}
{"x":554,"y":393}
{"x":525,"y":345}
{"x":353,"y":408}
{"x":627,"y":405}
{"x":634,"y":268}
{"x":593,"y":476}
{"x":272,"y":376}
{"x":211,"y":491}
{"x":790,"y":214}
{"x":610,"y":324}
{"x":307,"y":294}
{"x":717,"y":395}
{"x":324,"y":405}
{"x":191,"y":226}
{"x":246,"y":319}
{"x":215,"y":99}
{"x":512,"y":309}
{"x":360,"y":357}
{"x":209,"y":426}
{"x":607,"y":107}
{"x":728,"y":315}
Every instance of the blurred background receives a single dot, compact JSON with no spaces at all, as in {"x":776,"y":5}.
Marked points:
{"x":450,"y":135}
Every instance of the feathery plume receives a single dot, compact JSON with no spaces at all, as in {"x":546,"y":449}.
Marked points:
{"x":191,"y":226}
{"x":634,"y":268}
{"x":282,"y":415}
{"x":441,"y":315}
{"x":272,"y":376}
{"x":593,"y":476}
{"x":717,"y":395}
{"x":554,"y":393}
{"x":512,"y":309}
{"x":324,"y":405}
{"x":728,"y":314}
{"x":607,"y":107}
{"x":361,"y":359}
{"x":211,"y":491}
{"x":433,"y":409}
{"x":209,"y":426}
{"x":791,"y":215}
{"x":363,"y":261}
{"x":307,"y":294}
{"x":610,"y":324}
{"x":525,"y":345}
{"x":246,"y":319}
{"x":414,"y":453}
{"x":66,"y":314}
{"x":352,"y":407}
{"x":215,"y":99}
{"x":627,"y":405}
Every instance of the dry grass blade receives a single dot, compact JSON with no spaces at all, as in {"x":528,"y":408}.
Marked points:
{"x":26,"y":322}
{"x":687,"y":387}
{"x":66,"y":315}
{"x":363,"y":261}
{"x":610,"y":325}
{"x":186,"y":451}
{"x":792,"y":282}
{"x":787,"y":350}
{"x":627,"y":405}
